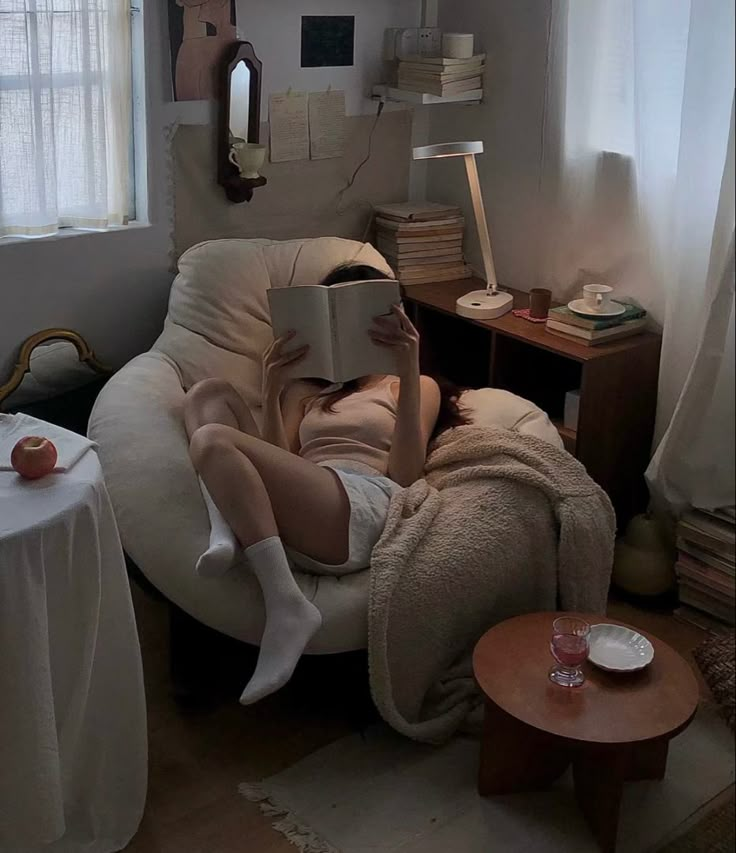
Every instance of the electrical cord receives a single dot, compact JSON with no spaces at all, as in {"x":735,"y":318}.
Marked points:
{"x":341,"y":194}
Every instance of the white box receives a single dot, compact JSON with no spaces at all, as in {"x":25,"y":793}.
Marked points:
{"x":572,"y":409}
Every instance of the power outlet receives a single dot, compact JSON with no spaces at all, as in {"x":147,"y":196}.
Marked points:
{"x":429,"y":41}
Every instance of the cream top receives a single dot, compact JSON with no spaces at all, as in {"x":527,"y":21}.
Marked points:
{"x":359,"y":431}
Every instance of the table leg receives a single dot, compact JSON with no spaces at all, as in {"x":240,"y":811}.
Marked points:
{"x":599,"y":777}
{"x":517,"y":757}
{"x":648,"y":760}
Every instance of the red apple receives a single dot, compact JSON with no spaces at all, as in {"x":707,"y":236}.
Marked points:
{"x":33,"y":457}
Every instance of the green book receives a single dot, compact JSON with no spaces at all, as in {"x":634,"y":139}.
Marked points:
{"x":564,"y":315}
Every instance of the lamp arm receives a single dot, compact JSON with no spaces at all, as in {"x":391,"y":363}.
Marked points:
{"x":481,"y":223}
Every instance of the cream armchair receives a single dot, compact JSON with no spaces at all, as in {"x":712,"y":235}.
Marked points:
{"x":218,"y":326}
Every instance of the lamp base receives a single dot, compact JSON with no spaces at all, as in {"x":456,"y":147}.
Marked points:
{"x":479,"y":305}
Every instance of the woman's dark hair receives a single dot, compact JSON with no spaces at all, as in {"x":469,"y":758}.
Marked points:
{"x":450,"y":414}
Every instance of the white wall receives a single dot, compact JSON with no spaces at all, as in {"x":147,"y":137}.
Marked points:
{"x":274,"y":29}
{"x":509,"y":121}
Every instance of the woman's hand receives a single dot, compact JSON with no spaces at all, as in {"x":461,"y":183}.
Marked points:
{"x":398,"y":333}
{"x":276,"y":363}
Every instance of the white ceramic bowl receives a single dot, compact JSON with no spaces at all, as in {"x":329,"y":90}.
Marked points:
{"x":618,"y":649}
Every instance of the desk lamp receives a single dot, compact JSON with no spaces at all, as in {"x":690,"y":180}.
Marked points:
{"x":478,"y":304}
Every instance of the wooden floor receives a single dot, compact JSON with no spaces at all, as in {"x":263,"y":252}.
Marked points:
{"x":197,"y":760}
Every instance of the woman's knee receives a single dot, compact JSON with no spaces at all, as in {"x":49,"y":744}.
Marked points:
{"x":208,"y":389}
{"x":210,"y":442}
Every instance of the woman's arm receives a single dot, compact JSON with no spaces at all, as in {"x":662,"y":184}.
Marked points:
{"x":419,"y":399}
{"x":416,"y":416}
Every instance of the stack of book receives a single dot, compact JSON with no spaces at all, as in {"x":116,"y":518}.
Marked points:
{"x":423,"y":242}
{"x":436,"y":75}
{"x":706,"y":570}
{"x":592,"y":332}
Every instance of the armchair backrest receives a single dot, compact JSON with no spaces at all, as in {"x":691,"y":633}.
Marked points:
{"x":218,"y":320}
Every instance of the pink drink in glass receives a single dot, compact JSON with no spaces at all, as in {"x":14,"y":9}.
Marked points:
{"x":569,"y":648}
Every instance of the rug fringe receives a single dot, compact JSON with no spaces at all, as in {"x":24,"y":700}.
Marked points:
{"x":295,"y":832}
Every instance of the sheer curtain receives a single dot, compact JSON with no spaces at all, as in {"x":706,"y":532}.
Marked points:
{"x":636,"y":155}
{"x":65,"y":114}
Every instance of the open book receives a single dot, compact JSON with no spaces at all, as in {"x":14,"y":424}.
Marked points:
{"x":334,"y":321}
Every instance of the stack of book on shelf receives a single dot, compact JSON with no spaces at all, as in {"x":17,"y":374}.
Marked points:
{"x":436,"y":75}
{"x":423,"y":242}
{"x":593,"y":332}
{"x":706,"y":570}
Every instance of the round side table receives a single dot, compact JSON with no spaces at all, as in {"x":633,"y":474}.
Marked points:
{"x":613,"y":729}
{"x":73,"y":740}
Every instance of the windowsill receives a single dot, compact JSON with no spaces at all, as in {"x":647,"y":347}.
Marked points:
{"x":67,"y":233}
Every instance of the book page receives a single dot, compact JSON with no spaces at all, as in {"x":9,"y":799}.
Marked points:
{"x":289,"y":126}
{"x":326,"y":124}
{"x":306,"y":310}
{"x":355,"y":306}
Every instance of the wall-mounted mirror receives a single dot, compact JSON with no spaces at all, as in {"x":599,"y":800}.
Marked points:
{"x":49,"y":363}
{"x":240,"y":154}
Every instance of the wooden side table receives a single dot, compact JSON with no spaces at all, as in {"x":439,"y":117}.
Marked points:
{"x":613,"y":729}
{"x":617,"y":381}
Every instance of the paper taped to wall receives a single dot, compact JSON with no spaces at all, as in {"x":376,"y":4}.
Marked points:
{"x":326,"y":124}
{"x":289,"y":127}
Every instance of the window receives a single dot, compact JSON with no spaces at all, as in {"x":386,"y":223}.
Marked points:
{"x":65,"y":115}
{"x":625,"y":68}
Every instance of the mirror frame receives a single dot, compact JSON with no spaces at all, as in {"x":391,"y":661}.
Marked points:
{"x":23,"y":365}
{"x":238,"y":189}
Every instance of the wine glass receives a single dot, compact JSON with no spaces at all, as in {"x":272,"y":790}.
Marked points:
{"x":569,"y":648}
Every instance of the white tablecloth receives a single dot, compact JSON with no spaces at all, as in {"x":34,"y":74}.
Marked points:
{"x":73,"y":746}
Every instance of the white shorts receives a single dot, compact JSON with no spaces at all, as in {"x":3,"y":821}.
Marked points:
{"x":369,"y":496}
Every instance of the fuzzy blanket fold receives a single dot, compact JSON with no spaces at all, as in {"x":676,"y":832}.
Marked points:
{"x":504,"y":524}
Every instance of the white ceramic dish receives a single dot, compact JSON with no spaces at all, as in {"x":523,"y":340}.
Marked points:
{"x":581,"y":307}
{"x":618,"y":649}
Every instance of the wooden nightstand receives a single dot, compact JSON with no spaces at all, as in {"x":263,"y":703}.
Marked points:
{"x":617,"y":381}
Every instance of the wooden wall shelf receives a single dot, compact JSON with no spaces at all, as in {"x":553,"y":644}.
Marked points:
{"x":617,"y":381}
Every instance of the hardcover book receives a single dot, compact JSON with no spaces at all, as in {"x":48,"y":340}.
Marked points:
{"x":334,"y":322}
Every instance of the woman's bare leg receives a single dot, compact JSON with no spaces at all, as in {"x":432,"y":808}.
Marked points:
{"x":207,"y":402}
{"x":215,"y":401}
{"x":266,"y":493}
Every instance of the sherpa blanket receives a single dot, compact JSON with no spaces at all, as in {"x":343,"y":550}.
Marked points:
{"x":503,"y":524}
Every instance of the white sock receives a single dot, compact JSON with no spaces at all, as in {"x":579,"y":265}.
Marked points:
{"x":291,"y":620}
{"x":219,"y":557}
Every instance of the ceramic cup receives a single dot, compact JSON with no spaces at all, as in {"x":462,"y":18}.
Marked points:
{"x":458,"y":45}
{"x":540,"y":300}
{"x":248,"y":157}
{"x":597,"y":296}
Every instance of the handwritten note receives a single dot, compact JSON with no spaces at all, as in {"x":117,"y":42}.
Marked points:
{"x":326,"y":124}
{"x":289,"y":123}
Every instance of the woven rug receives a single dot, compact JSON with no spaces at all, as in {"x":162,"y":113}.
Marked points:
{"x":714,"y":833}
{"x":380,"y":793}
{"x":716,"y":658}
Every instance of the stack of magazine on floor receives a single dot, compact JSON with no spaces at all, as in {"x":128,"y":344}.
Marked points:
{"x":436,"y":75}
{"x":592,"y":332}
{"x":423,"y":242}
{"x":706,"y":571}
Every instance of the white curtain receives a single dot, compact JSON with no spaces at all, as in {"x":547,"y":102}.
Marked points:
{"x":65,"y":114}
{"x":634,"y":176}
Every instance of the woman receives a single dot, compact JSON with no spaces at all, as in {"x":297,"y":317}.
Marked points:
{"x":317,"y":479}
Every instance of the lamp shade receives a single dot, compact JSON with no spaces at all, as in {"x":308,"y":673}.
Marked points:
{"x":447,"y":149}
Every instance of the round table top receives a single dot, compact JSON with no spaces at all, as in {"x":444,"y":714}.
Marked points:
{"x":512,"y":662}
{"x":35,"y":504}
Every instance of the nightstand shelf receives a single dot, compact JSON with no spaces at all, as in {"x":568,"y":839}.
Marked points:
{"x":617,"y":381}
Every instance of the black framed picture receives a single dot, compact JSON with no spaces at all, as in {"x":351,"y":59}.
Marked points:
{"x":328,"y":40}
